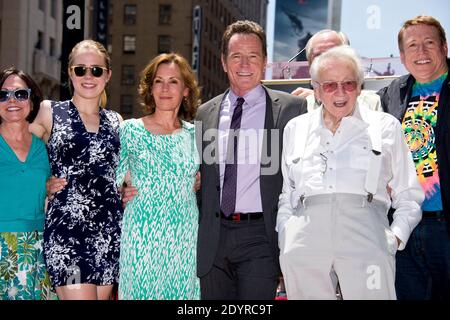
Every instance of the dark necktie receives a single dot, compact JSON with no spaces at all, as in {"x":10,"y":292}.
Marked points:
{"x":228,"y":204}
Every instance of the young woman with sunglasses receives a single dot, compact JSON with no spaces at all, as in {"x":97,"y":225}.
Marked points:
{"x":82,"y":227}
{"x":24,"y":169}
{"x":344,"y":166}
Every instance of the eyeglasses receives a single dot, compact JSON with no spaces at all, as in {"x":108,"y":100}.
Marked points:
{"x":332,"y":86}
{"x":96,"y":71}
{"x":18,"y":94}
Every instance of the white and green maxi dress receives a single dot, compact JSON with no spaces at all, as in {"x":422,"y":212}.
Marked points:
{"x":159,"y":232}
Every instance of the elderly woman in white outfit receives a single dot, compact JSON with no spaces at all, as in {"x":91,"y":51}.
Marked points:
{"x":343,"y":167}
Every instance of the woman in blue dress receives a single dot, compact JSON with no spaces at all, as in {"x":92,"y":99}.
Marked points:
{"x":82,"y":226}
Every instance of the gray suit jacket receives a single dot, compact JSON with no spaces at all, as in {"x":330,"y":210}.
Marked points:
{"x":280,"y":108}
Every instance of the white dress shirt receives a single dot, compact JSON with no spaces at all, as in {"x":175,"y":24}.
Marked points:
{"x":338,"y":164}
{"x":250,"y":140}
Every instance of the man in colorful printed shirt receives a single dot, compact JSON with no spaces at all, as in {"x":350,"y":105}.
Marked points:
{"x":421,"y":101}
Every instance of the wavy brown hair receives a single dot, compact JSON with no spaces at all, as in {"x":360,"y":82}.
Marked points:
{"x":189,"y":105}
{"x":36,"y":96}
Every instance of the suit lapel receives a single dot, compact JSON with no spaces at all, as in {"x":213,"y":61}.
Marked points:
{"x":214,"y":112}
{"x":443,"y":119}
{"x":272,"y":110}
{"x":213,"y":123}
{"x":270,"y":122}
{"x":405,"y":97}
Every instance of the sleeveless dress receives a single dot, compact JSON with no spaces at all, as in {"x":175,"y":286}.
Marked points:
{"x":83,"y":221}
{"x":23,"y":275}
{"x":159,"y":234}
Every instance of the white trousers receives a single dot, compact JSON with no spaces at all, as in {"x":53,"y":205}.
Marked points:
{"x":338,"y":237}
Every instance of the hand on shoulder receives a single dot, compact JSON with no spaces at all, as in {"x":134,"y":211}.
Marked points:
{"x":302,"y":92}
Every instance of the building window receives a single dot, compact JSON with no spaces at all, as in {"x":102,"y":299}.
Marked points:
{"x":128,"y":75}
{"x":164,"y":44}
{"x":205,"y":33}
{"x":126,"y":104}
{"x":53,"y":6}
{"x":41,"y":5}
{"x":129,"y":44}
{"x":110,"y":38}
{"x":129,"y":14}
{"x":210,"y":31}
{"x":110,"y":8}
{"x":165,"y":13}
{"x":209,"y":61}
{"x":205,"y":57}
{"x":40,"y":41}
{"x":52,"y":50}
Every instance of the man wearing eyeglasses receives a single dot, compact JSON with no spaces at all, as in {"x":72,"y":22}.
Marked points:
{"x":421,"y":102}
{"x":320,"y":42}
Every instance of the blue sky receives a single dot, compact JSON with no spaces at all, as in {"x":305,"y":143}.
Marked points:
{"x":372,"y":25}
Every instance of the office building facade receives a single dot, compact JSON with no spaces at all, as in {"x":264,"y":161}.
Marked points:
{"x":141,"y":29}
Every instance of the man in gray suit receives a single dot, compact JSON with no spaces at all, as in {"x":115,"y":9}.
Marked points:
{"x":241,"y":134}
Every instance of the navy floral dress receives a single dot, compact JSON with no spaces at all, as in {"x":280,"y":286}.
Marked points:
{"x":83,"y":221}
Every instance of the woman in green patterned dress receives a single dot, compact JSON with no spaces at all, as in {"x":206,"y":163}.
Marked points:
{"x":24,"y":169}
{"x":159,"y":232}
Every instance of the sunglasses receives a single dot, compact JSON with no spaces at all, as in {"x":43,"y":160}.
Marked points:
{"x":332,"y":86}
{"x":18,"y":94}
{"x":96,"y":71}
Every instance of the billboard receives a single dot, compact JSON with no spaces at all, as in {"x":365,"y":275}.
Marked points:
{"x":295,"y":22}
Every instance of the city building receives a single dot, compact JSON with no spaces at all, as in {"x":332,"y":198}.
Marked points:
{"x":31,"y":37}
{"x":141,"y":29}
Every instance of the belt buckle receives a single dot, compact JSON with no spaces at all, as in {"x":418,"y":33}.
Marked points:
{"x":236,"y":216}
